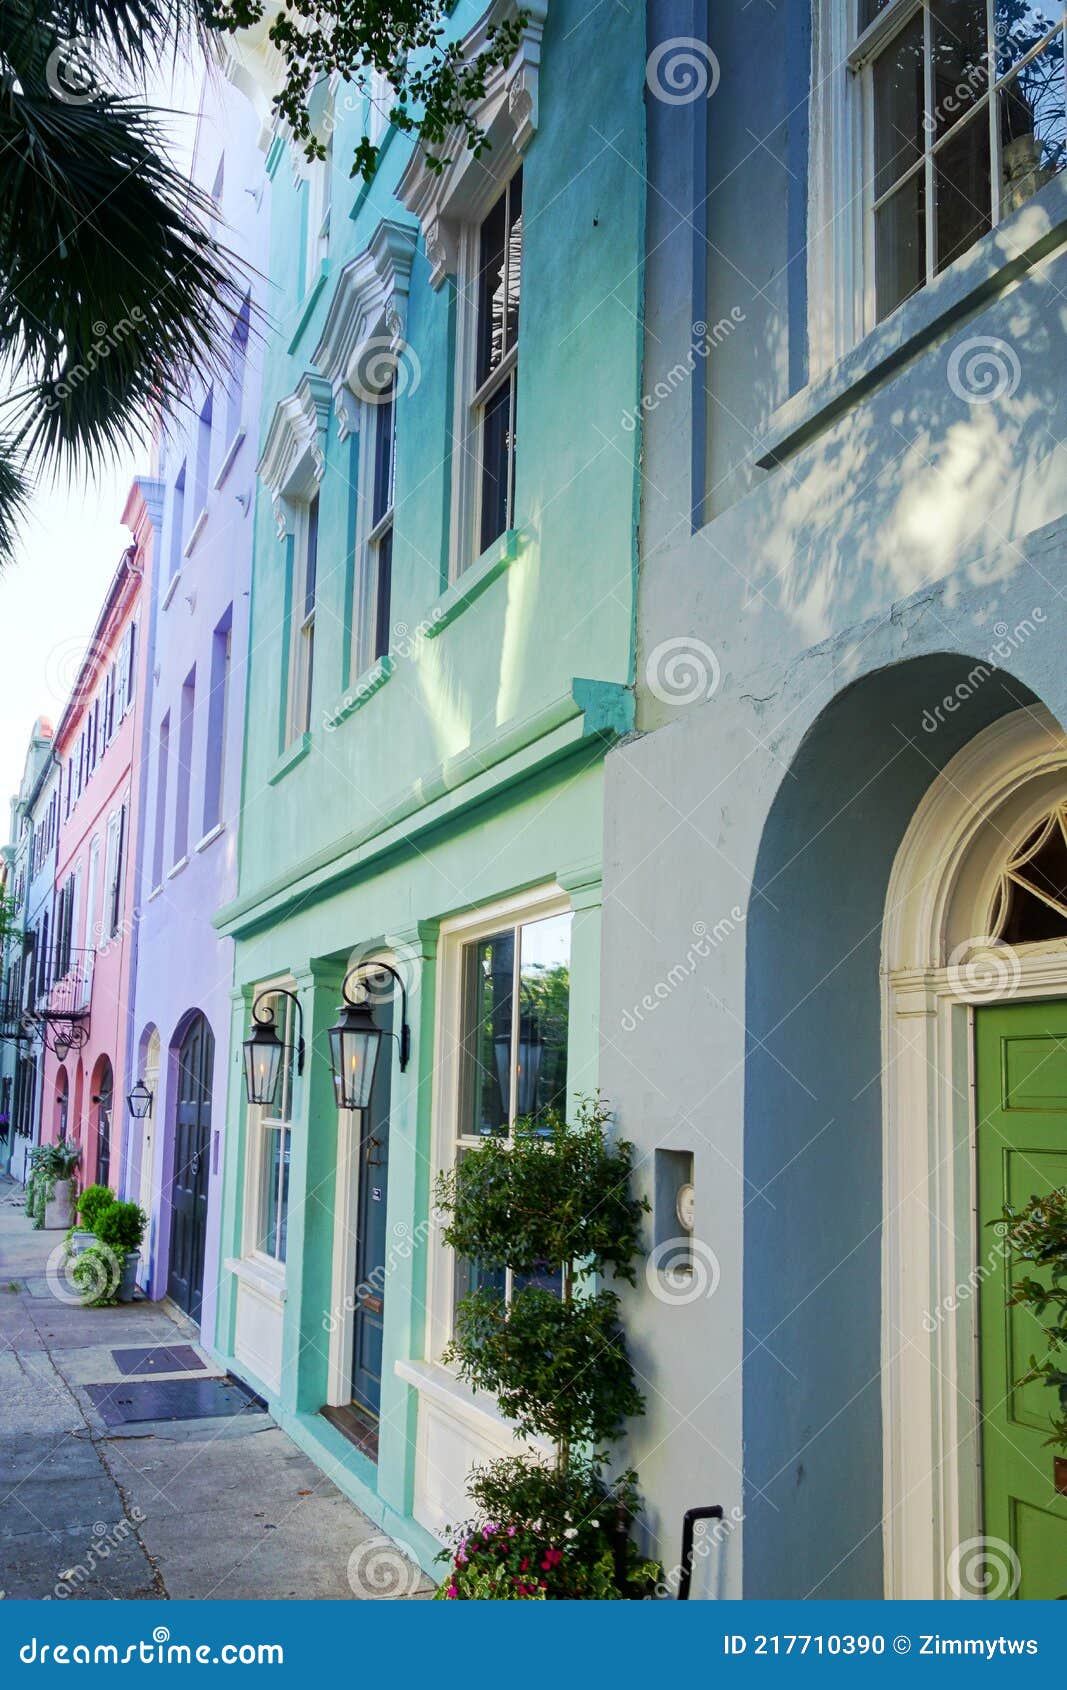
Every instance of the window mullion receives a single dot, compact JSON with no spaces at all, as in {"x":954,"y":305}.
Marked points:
{"x":995,"y":175}
{"x":929,"y":217}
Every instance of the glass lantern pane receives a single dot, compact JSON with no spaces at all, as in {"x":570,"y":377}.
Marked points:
{"x":544,"y":1006}
{"x":487,"y":1001}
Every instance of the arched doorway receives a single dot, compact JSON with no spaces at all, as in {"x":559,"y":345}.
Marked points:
{"x":102,"y":1103}
{"x":824,"y":1424}
{"x":189,"y":1185}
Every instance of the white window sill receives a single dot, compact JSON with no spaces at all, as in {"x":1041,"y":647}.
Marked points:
{"x":156,"y":892}
{"x":197,"y":530}
{"x":478,"y":1412}
{"x":210,"y":836}
{"x":183,"y":862}
{"x":1000,"y":258}
{"x":171,"y":589}
{"x":258,"y":1275}
{"x":227,"y":463}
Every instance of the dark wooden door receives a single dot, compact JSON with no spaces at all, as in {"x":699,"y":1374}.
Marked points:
{"x":371,"y":1265}
{"x":192,"y":1143}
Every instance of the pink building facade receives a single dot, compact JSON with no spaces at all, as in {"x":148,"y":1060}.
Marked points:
{"x":85,"y":1002}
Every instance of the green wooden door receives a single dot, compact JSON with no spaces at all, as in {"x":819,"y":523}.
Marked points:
{"x":1022,"y":1152}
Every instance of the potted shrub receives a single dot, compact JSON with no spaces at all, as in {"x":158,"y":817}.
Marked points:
{"x":50,"y":1187}
{"x":120,"y":1228}
{"x":554,"y":1206}
{"x":90,"y":1205}
{"x":1037,"y":1234}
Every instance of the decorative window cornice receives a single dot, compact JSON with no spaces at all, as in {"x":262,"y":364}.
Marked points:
{"x":293,"y":461}
{"x":444,"y":200}
{"x":367,"y":316}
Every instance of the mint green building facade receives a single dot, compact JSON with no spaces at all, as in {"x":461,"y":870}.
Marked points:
{"x":441,"y":655}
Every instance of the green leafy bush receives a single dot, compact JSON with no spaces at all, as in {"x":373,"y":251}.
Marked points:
{"x":121,"y":1227}
{"x":49,"y":1163}
{"x":91,"y":1204}
{"x":1037,"y":1234}
{"x":558,"y":1202}
{"x":96,"y":1273}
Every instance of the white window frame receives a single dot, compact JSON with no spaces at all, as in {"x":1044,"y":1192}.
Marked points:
{"x":369,"y":535}
{"x":258,"y":1122}
{"x":300,"y":680}
{"x":455,"y":934}
{"x":841,"y":272}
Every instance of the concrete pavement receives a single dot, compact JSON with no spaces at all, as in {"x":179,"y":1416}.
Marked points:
{"x":198,"y":1508}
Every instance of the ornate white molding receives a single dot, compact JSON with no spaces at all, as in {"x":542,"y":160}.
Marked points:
{"x":369,"y":301}
{"x":252,"y":62}
{"x":463,"y":191}
{"x":293,"y":461}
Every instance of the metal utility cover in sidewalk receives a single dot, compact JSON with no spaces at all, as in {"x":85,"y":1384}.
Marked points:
{"x":171,"y":1399}
{"x":162,"y":1358}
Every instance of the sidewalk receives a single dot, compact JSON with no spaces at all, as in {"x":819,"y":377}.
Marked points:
{"x":222,"y":1506}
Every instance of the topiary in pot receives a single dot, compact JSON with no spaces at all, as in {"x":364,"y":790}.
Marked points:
{"x":90,"y":1205}
{"x":553,"y":1204}
{"x":120,"y":1228}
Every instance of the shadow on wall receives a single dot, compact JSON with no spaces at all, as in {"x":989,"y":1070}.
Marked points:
{"x":813,"y":1123}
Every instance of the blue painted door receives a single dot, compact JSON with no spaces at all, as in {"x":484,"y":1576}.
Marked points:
{"x":371,"y":1243}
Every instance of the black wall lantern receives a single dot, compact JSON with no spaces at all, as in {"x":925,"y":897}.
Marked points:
{"x":139,"y":1101}
{"x":264,"y":1049}
{"x":354,"y":1040}
{"x":528,"y":1075}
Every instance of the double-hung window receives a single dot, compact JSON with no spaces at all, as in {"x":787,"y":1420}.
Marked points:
{"x":497,"y":285}
{"x":376,"y":576}
{"x":963,"y":120}
{"x":272,"y":1126}
{"x":512,"y":983}
{"x":302,"y":620}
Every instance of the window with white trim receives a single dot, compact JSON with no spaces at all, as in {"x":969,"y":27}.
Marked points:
{"x":962,"y":118}
{"x":511,"y":1020}
{"x":491,"y":291}
{"x":375,"y":534}
{"x":270,"y":1132}
{"x":302,"y":620}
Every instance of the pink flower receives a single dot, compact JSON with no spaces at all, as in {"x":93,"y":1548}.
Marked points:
{"x":552,"y":1559}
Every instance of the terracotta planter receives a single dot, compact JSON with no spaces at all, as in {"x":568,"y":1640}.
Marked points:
{"x":1059,"y":1473}
{"x":59,"y":1210}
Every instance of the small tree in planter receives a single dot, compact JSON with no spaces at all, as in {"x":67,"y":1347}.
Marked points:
{"x":554,"y":1201}
{"x":89,"y":1206}
{"x":1038,"y":1235}
{"x":50,"y":1187}
{"x":107,"y":1271}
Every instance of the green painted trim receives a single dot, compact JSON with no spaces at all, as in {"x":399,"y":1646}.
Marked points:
{"x":473,"y":582}
{"x":311,"y":299}
{"x":593,"y":711}
{"x":289,"y":758}
{"x":275,"y":154}
{"x":371,"y":681}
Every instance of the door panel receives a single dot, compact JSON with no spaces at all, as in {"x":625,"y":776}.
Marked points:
{"x":1022,"y":1152}
{"x":192,"y":1137}
{"x":372,"y":1201}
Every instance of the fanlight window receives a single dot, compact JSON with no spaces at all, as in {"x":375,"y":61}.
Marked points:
{"x":1031,"y":901}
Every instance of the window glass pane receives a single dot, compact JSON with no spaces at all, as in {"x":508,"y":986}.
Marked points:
{"x":269,"y":1189}
{"x":869,"y":10}
{"x":491,"y":289}
{"x":384,"y":580}
{"x":488,"y":995}
{"x":1031,"y":113}
{"x":961,"y":188}
{"x":1018,"y":26}
{"x":471,"y":1276}
{"x":283,"y":1195}
{"x":311,"y":563}
{"x":961,"y":60}
{"x":496,"y":464}
{"x":383,"y":455}
{"x":898,"y":106}
{"x":899,"y":245}
{"x":544,"y":998}
{"x":514,"y":261}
